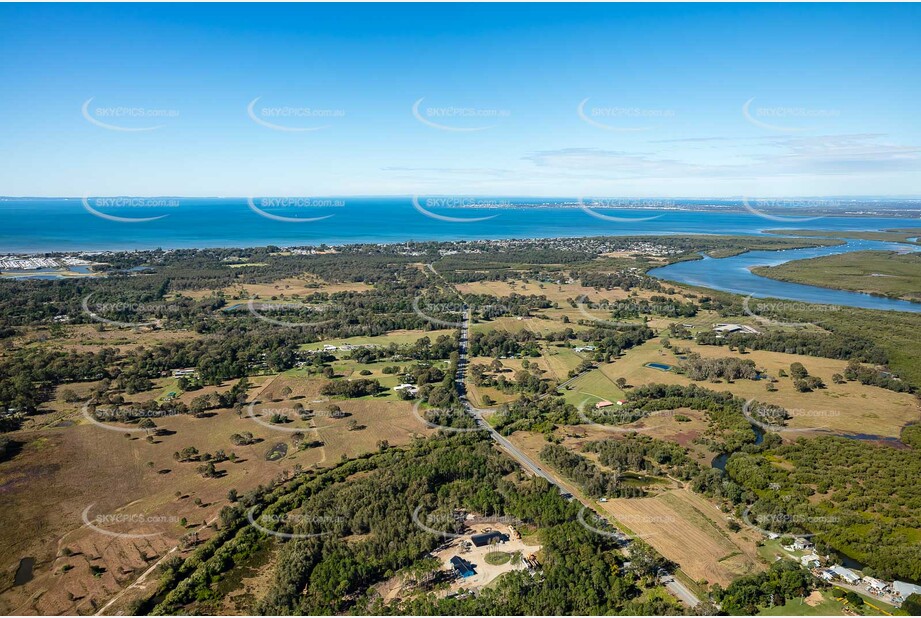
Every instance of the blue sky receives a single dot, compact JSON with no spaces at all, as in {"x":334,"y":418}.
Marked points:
{"x":539,"y":100}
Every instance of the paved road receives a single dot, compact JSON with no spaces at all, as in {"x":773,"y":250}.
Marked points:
{"x":676,"y":588}
{"x":680,"y":591}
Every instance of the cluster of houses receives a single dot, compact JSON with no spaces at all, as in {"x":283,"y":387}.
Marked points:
{"x":897,"y":591}
{"x":15,"y":262}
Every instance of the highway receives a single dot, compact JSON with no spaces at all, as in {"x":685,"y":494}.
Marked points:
{"x":676,"y":588}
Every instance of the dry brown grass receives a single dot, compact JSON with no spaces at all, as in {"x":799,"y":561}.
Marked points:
{"x":681,"y":525}
{"x":60,"y":471}
{"x":554,"y":292}
{"x":850,"y":407}
{"x":690,"y":531}
{"x":86,"y":338}
{"x":304,"y":285}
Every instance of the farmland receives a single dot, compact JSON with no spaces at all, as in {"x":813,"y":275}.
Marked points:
{"x":257,"y":407}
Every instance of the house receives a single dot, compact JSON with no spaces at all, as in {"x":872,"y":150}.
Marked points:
{"x":479,"y":540}
{"x":621,"y":402}
{"x":801,"y":544}
{"x":178,"y":373}
{"x":585,"y":348}
{"x":827,"y":575}
{"x":462,"y":567}
{"x":810,"y":560}
{"x":903,"y":590}
{"x":846,"y":574}
{"x":603,"y":404}
{"x":412,"y":389}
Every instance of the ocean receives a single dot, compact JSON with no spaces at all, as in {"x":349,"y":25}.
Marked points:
{"x":44,"y":225}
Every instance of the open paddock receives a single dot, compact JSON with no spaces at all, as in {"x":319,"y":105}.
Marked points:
{"x":687,"y":529}
{"x":398,"y":337}
{"x":59,"y":472}
{"x":288,"y":287}
{"x":845,"y":408}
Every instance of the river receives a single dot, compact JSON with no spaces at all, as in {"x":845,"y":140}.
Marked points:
{"x":733,"y":274}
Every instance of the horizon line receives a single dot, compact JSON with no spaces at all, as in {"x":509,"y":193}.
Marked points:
{"x":473,"y":195}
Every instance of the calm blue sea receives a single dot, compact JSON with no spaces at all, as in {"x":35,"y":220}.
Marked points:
{"x":40,"y":225}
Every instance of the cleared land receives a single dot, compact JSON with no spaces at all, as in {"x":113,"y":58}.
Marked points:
{"x":398,"y":337}
{"x":88,"y":338}
{"x":485,"y":560}
{"x":282,"y":288}
{"x":681,"y":525}
{"x":842,"y":408}
{"x":61,"y":471}
{"x":591,"y":388}
{"x":687,"y":529}
{"x":887,"y":273}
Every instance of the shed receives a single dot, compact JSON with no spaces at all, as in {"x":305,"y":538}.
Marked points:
{"x":479,"y":540}
{"x":462,"y":567}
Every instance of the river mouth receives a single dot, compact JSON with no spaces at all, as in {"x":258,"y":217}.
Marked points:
{"x":733,"y":274}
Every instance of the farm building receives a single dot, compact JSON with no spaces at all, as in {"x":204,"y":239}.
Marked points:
{"x":479,"y":540}
{"x":735,"y":328}
{"x":846,"y":574}
{"x":462,"y":567}
{"x":903,"y":589}
{"x":874,"y":584}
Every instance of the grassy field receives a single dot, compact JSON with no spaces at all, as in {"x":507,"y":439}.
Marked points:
{"x":591,"y":388}
{"x":848,"y":408}
{"x":893,"y":235}
{"x":497,"y":558}
{"x":88,"y":466}
{"x":819,"y":603}
{"x":399,"y":337}
{"x":823,"y":603}
{"x":681,"y":525}
{"x":86,"y":338}
{"x":897,"y":275}
{"x":282,"y":288}
{"x":559,"y":361}
{"x":686,"y":528}
{"x":559,"y":293}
